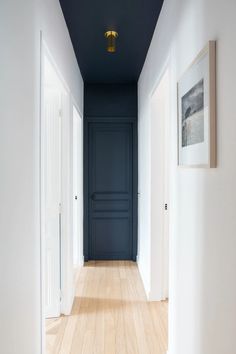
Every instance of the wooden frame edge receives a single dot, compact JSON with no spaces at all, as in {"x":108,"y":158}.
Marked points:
{"x":209,"y":48}
{"x":212,"y":106}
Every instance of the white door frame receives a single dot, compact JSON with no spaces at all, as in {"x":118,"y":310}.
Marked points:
{"x":159,"y":196}
{"x":51,"y":182}
{"x":67,"y":288}
{"x":78,"y":146}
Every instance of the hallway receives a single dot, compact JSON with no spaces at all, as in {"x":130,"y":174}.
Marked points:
{"x":118,"y":170}
{"x":110,"y":315}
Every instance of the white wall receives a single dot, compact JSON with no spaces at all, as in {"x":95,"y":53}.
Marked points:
{"x":21,"y":22}
{"x":202,"y":210}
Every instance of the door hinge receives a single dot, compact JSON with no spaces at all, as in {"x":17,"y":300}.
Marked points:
{"x":60,"y":113}
{"x":60,"y":295}
{"x":166,"y":206}
{"x":59,"y":207}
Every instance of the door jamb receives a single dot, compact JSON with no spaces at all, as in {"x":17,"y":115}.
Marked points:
{"x":75,"y":106}
{"x":45,"y":52}
{"x":151,"y":295}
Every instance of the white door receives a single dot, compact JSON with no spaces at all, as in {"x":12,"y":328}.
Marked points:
{"x":166,"y":175}
{"x":52,"y":199}
{"x":77,"y":188}
{"x":160,"y":191}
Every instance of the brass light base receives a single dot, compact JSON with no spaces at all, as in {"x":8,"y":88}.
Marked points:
{"x":111,"y":33}
{"x":111,"y":37}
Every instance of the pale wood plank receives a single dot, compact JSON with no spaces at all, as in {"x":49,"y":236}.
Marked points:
{"x":110,"y":315}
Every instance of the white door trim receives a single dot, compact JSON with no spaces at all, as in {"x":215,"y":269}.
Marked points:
{"x":78,"y":146}
{"x":159,"y":100}
{"x":67,"y":288}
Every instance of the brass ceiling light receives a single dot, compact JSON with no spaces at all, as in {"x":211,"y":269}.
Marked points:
{"x":111,"y":41}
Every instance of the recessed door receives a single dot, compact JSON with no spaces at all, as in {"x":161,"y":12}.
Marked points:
{"x":110,"y":191}
{"x":52,"y":199}
{"x":77,"y":189}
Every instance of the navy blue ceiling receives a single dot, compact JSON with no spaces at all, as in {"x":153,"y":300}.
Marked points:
{"x":134,"y":20}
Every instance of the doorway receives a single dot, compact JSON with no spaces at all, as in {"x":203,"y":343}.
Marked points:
{"x":56,"y":191}
{"x":61,"y":172}
{"x":51,"y":188}
{"x":77,"y":190}
{"x":160,"y":113}
{"x":111,"y":191}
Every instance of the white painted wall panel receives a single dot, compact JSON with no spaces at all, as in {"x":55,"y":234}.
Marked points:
{"x":202,"y":213}
{"x":20,"y":25}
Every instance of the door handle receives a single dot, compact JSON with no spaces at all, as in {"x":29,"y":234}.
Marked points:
{"x":92,"y":196}
{"x":76,"y":197}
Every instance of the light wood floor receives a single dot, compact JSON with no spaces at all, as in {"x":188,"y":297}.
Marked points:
{"x":110,"y":315}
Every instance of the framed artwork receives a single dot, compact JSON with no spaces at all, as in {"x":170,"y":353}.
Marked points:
{"x":197,"y":111}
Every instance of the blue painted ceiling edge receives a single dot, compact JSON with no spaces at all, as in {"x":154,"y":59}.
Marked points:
{"x":88,"y":20}
{"x":110,"y":100}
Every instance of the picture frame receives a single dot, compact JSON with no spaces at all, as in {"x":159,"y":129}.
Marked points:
{"x":196,"y":91}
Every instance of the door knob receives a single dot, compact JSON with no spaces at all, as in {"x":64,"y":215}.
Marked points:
{"x":76,"y":197}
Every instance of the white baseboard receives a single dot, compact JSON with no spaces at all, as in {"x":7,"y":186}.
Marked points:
{"x":141,"y":276}
{"x":67,"y":303}
{"x":68,"y":300}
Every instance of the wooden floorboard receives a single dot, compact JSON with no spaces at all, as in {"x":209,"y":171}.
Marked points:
{"x":110,"y":315}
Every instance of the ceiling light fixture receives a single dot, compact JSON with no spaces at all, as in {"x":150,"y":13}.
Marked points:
{"x":111,"y":41}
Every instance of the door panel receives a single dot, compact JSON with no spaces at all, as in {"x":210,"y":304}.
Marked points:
{"x":77,"y":189}
{"x":111,"y":237}
{"x":52,"y":199}
{"x":110,"y":191}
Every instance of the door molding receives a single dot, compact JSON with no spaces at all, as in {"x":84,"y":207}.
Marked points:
{"x":123,"y":120}
{"x":67,"y":288}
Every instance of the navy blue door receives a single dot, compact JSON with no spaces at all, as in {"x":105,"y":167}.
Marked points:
{"x":110,"y":191}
